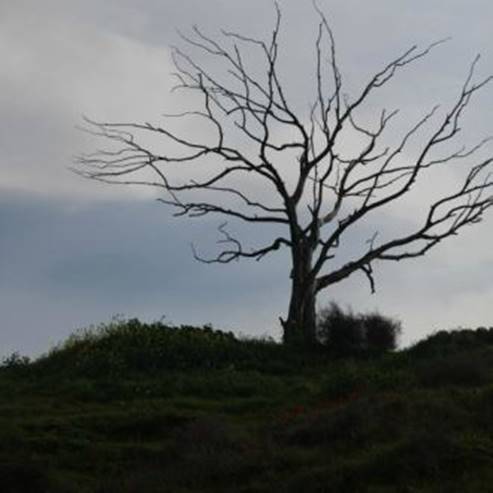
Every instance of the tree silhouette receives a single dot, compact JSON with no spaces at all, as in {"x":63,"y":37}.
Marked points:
{"x":311,"y":191}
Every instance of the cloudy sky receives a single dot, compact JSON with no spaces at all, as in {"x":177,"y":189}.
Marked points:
{"x":74,"y":252}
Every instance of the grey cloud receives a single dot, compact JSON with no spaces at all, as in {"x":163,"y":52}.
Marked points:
{"x":113,"y":258}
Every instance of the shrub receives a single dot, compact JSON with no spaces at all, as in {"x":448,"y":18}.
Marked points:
{"x":124,"y":346}
{"x":16,"y":364}
{"x":446,"y":342}
{"x":430,"y":456}
{"x":15,"y":360}
{"x":344,"y":380}
{"x":381,"y":332}
{"x":24,"y":478}
{"x":345,"y":333}
{"x":341,"y":332}
{"x":462,"y":369}
{"x":354,"y":420}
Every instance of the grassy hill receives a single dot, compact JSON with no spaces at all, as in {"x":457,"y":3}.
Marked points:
{"x":133,"y":407}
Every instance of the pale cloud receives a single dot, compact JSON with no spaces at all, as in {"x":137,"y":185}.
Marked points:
{"x":56,"y":71}
{"x":110,"y":60}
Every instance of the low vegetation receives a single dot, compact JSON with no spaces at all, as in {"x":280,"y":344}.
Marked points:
{"x":345,"y":333}
{"x":134,"y":407}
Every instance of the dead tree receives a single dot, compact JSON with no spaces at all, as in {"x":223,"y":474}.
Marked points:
{"x":313,"y":193}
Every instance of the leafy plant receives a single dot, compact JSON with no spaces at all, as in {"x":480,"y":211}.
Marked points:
{"x":346,"y":333}
{"x":15,"y":360}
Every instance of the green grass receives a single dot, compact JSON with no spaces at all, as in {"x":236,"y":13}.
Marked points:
{"x":129,"y":407}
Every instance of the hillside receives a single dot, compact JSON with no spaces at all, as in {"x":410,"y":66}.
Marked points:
{"x":130,"y":407}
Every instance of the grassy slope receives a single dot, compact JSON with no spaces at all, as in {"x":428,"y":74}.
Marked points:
{"x":134,"y":408}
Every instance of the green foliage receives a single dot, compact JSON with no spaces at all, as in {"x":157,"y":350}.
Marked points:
{"x":272,"y":420}
{"x":124,"y":346}
{"x":468,"y":369}
{"x":343,"y":380}
{"x":341,"y":332}
{"x":345,"y":333}
{"x":24,"y":478}
{"x":381,"y":332}
{"x":15,"y":361}
{"x":446,"y":342}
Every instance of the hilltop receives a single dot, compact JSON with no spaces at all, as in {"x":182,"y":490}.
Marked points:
{"x":133,"y":407}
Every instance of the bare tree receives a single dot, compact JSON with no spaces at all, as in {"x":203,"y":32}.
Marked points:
{"x":314,"y":193}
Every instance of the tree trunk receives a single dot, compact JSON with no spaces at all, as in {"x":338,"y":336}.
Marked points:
{"x":300,"y":327}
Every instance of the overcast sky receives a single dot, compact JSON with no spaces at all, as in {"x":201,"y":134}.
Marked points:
{"x":74,"y":252}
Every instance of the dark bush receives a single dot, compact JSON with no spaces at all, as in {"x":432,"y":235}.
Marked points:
{"x":345,"y":333}
{"x":430,"y":455}
{"x":24,"y":478}
{"x":14,"y":361}
{"x":453,"y":341}
{"x":342,"y":332}
{"x":350,"y":423}
{"x":16,"y":364}
{"x":124,"y":346}
{"x":457,"y":369}
{"x":381,"y":332}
